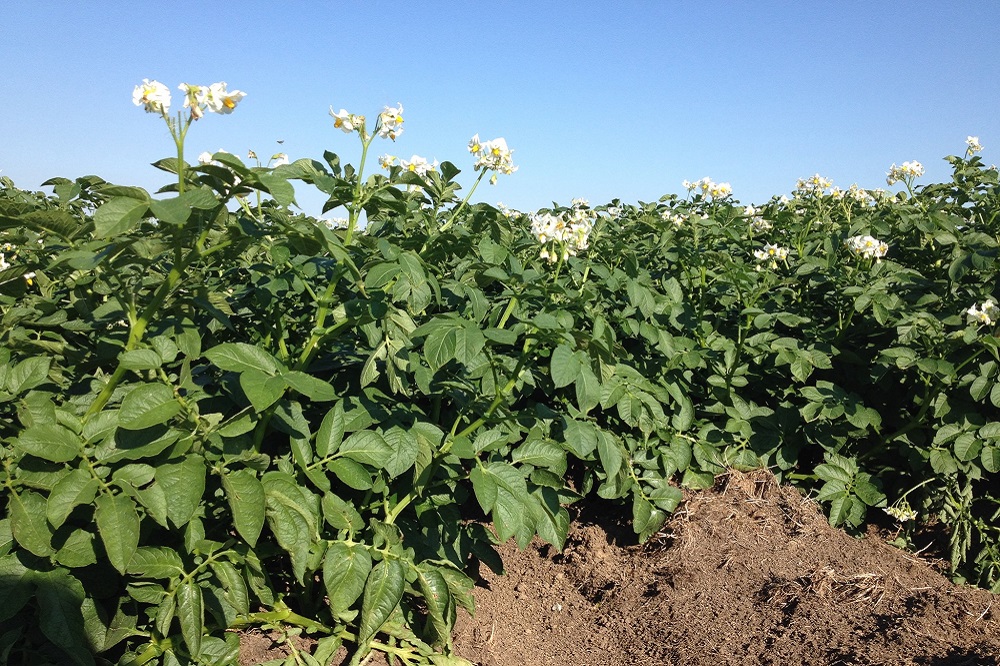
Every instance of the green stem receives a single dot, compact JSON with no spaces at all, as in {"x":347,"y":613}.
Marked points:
{"x":138,"y":331}
{"x":468,"y":196}
{"x":355,"y":208}
{"x":471,"y":428}
{"x":506,"y":313}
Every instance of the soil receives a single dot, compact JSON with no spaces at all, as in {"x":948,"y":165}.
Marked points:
{"x":747,"y":573}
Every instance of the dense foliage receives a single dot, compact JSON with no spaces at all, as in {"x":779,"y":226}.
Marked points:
{"x":218,"y":413}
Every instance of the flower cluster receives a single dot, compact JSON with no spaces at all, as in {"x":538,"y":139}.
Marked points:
{"x":390,"y":122}
{"x":677,"y":219}
{"x":507,"y":211}
{"x":901,"y":511}
{"x":815,"y":184}
{"x":347,"y":122}
{"x":905,"y":173}
{"x":418,"y":165}
{"x":770,"y":254}
{"x":492,"y":155}
{"x":855,"y":194}
{"x":154,"y":97}
{"x":334,"y":223}
{"x":868,"y":247}
{"x":757,"y":222}
{"x":973,"y":146}
{"x":565,"y":235}
{"x":708,"y":188}
{"x":988,"y":313}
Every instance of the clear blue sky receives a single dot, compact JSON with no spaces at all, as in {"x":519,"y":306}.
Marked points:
{"x":599,"y":100}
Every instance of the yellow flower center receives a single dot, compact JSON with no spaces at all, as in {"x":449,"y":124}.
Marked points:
{"x":229,"y":103}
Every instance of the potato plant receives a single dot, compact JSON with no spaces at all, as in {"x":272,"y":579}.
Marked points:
{"x":219,"y":413}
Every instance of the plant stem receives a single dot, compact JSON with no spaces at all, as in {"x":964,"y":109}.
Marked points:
{"x":454,"y":213}
{"x":355,"y":207}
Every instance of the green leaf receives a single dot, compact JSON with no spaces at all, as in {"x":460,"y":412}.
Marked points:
{"x":485,"y":487}
{"x":967,"y":447}
{"x":261,"y":389}
{"x":439,"y":346}
{"x":156,"y":562}
{"x":58,"y":222}
{"x":405,"y":449}
{"x":183,"y":484}
{"x":580,"y":438}
{"x":341,"y":515}
{"x":441,"y":612}
{"x":315,"y":389}
{"x":609,"y":453}
{"x":240,"y":357}
{"x":990,"y":458}
{"x":165,"y":614}
{"x":646,"y":519}
{"x":59,"y":597}
{"x":117,"y":216}
{"x":245,"y":494}
{"x":469,"y":341}
{"x":76,"y":488}
{"x":840,"y":508}
{"x":147,"y":405}
{"x":279,"y":188}
{"x":234,"y":588}
{"x":191,"y":614}
{"x":541,"y":453}
{"x":565,"y":366}
{"x":345,"y":570}
{"x":352,"y":474}
{"x":28,"y":374}
{"x":49,"y":441}
{"x":942,"y":462}
{"x":331,"y":431}
{"x":172,"y":211}
{"x":77,"y":550}
{"x":140,"y":359}
{"x":285,"y":498}
{"x":367,"y":446}
{"x":383,"y":592}
{"x":28,"y":524}
{"x":118,"y":523}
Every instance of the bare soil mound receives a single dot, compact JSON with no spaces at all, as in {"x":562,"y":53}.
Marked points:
{"x":748,"y":573}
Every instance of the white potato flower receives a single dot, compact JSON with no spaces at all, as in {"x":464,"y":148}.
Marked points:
{"x":475,"y":145}
{"x":387,"y":161}
{"x":418,"y":165}
{"x":492,"y":156}
{"x":974,"y":145}
{"x":720,"y":190}
{"x":771,"y":254}
{"x":279,"y":159}
{"x":346,"y":122}
{"x":677,"y":219}
{"x":708,"y":188}
{"x":868,"y":247}
{"x":905,"y":173}
{"x":153,"y":96}
{"x":988,"y":313}
{"x":194,"y":98}
{"x":391,"y":122}
{"x":221,"y":100}
{"x":815,"y":184}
